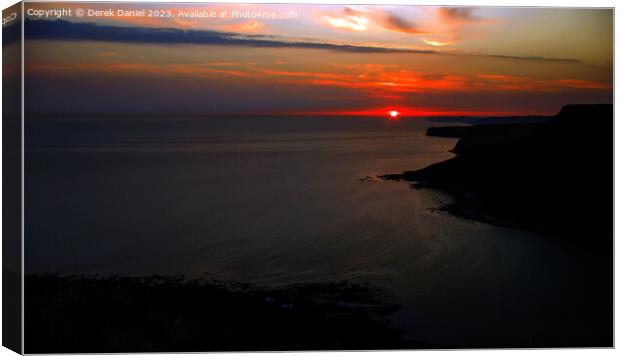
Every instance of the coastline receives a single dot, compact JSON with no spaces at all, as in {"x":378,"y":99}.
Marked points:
{"x":458,"y":207}
{"x":522,"y":175}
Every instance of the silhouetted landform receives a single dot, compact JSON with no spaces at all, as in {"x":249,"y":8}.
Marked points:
{"x":554,"y":177}
{"x":485,"y":134}
{"x":165,"y":314}
{"x":493,"y":120}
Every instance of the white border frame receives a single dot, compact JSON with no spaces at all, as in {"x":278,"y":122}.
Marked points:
{"x":488,"y":3}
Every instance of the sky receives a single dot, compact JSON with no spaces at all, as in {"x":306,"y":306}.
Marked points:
{"x":228,"y":59}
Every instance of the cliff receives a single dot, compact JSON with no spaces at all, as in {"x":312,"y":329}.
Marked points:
{"x":554,"y":177}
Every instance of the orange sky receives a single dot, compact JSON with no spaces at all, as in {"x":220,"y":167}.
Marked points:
{"x":327,"y":59}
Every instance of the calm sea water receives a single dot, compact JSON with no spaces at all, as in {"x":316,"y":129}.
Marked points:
{"x":274,"y":201}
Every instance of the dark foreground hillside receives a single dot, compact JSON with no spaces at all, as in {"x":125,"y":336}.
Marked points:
{"x":554,"y":177}
{"x":164,"y":314}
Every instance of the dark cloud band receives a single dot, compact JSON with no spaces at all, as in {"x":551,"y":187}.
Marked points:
{"x":75,"y":31}
{"x":65,"y":30}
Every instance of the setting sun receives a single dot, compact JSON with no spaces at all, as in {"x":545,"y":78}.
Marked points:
{"x":393,"y":114}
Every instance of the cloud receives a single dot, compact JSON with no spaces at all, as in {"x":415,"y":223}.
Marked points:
{"x":65,"y":30}
{"x":348,"y":19}
{"x":435,"y":42}
{"x":337,"y":86}
{"x":527,"y":84}
{"x":529,"y":58}
{"x":74,"y":31}
{"x":458,"y":15}
{"x":362,"y":19}
{"x":458,"y":23}
{"x":373,"y":81}
{"x":394,"y":22}
{"x":248,"y":26}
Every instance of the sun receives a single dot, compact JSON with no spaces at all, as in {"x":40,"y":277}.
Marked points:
{"x":393,"y":114}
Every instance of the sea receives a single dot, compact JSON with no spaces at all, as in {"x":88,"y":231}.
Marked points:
{"x":274,"y":201}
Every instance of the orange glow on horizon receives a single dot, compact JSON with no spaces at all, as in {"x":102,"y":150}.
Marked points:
{"x":419,"y":112}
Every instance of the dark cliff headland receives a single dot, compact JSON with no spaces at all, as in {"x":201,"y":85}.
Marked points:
{"x":554,"y":177}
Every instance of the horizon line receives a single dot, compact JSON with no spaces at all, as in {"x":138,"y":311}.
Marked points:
{"x":200,"y":115}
